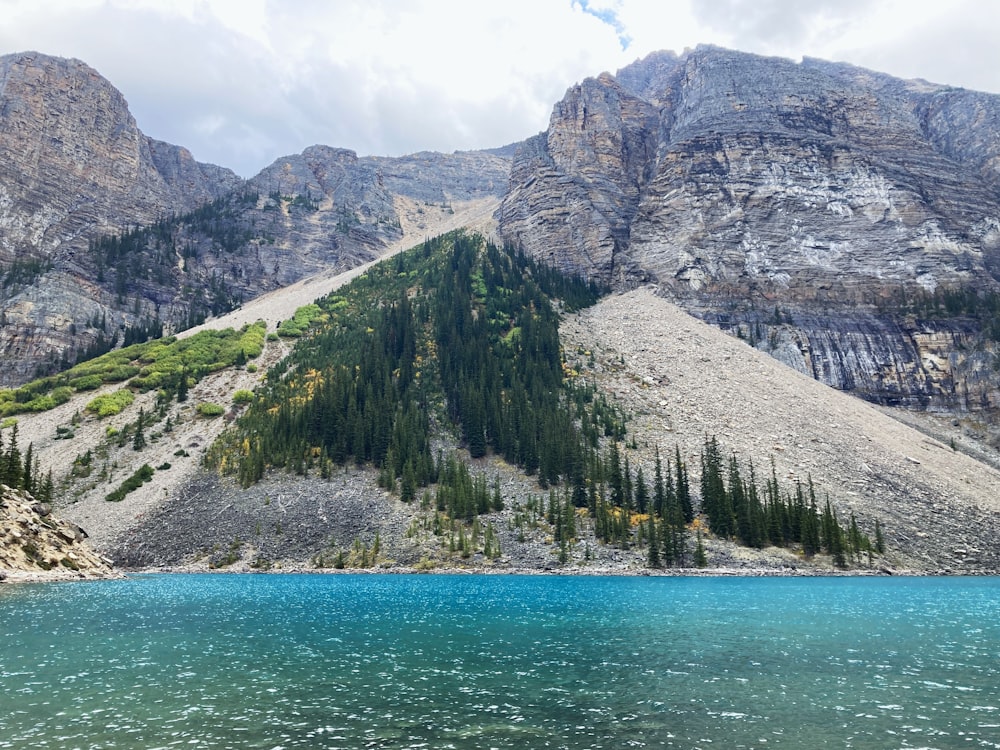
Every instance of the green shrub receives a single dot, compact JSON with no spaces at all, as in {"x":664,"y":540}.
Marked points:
{"x":142,"y":475}
{"x":208,"y":409}
{"x":42,"y":403}
{"x":111,"y":403}
{"x":303,"y":318}
{"x":62,"y":394}
{"x":86,"y":383}
{"x":120,"y":373}
{"x":242,"y":396}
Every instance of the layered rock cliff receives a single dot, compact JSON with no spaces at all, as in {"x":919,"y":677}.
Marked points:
{"x":72,"y":159}
{"x":806,"y":206}
{"x":73,"y":164}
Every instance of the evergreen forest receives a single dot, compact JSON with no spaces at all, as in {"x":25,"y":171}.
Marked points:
{"x":455,"y":345}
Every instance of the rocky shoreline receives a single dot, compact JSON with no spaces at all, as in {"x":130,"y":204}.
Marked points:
{"x":35,"y":545}
{"x":15,"y":577}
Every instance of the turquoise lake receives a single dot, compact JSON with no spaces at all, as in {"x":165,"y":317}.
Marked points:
{"x":461,"y":661}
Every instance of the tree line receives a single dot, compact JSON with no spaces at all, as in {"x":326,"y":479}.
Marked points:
{"x":21,"y":471}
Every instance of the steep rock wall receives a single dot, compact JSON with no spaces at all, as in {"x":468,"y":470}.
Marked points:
{"x":73,"y":164}
{"x":736,"y":183}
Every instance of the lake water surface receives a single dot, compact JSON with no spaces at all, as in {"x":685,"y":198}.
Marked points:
{"x":443,"y":661}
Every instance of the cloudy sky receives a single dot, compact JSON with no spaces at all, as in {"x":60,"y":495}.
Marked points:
{"x":242,"y":82}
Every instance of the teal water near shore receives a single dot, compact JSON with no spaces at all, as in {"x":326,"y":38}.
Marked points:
{"x":455,"y":661}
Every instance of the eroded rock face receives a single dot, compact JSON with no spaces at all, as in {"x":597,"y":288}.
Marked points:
{"x":738,"y":183}
{"x":434,"y":177}
{"x":72,"y":159}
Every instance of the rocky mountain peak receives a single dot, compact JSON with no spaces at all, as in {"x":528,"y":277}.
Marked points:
{"x":72,"y":159}
{"x":736,"y":183}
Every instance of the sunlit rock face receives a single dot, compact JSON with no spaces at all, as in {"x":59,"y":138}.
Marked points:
{"x":799,"y":204}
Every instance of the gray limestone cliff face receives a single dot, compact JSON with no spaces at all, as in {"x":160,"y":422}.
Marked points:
{"x":73,"y":164}
{"x":322,"y":209}
{"x":434,"y":177}
{"x":737,"y":183}
{"x":575,"y":190}
{"x":72,"y":158}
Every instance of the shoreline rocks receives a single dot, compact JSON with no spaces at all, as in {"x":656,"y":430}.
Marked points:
{"x":35,"y":545}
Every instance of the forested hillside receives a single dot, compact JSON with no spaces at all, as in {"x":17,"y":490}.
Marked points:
{"x":455,"y":344}
{"x":458,"y":335}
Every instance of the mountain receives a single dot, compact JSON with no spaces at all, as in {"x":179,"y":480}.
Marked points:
{"x":846,"y":221}
{"x":835,"y":219}
{"x":107,"y":236}
{"x":326,"y":444}
{"x":73,"y":164}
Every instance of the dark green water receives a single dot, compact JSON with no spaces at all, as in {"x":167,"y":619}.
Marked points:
{"x":356,"y":661}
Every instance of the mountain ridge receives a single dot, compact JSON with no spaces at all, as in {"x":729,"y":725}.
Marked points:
{"x":843,"y":199}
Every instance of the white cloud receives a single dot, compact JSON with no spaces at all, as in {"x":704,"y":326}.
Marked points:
{"x":242,"y":82}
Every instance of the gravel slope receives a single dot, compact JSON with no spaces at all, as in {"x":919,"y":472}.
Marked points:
{"x":684,"y":380}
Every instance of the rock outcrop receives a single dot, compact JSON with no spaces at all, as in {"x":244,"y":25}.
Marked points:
{"x":434,"y":177}
{"x":803,"y":205}
{"x":33,"y":541}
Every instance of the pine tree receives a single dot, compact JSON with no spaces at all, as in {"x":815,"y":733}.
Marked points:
{"x":569,"y":520}
{"x":641,"y":492}
{"x":653,"y":554}
{"x":139,"y":441}
{"x":615,"y":480}
{"x":497,"y":497}
{"x":29,"y":471}
{"x":810,"y":533}
{"x":683,"y":486}
{"x":46,"y":489}
{"x":659,"y":489}
{"x":10,"y":462}
{"x":833,"y":536}
{"x":856,"y":540}
{"x":408,"y":487}
{"x":628,"y":486}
